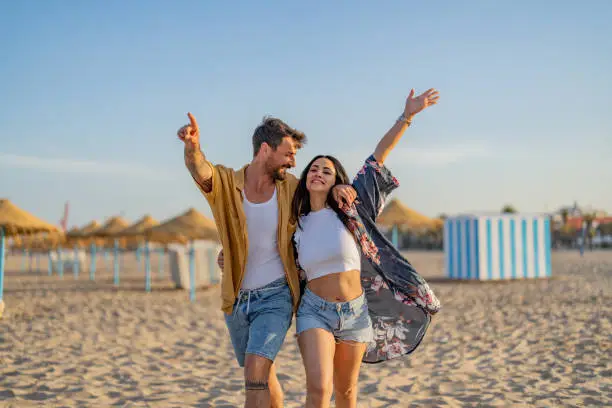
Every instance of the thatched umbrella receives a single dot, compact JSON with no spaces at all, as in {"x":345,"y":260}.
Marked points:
{"x":107,"y":231}
{"x":72,"y":235}
{"x":81,"y":237}
{"x":41,"y":241}
{"x":396,"y":213}
{"x":15,"y":241}
{"x":139,"y":227}
{"x":398,"y":216}
{"x":86,"y":230}
{"x":189,"y":226}
{"x":111,"y":227}
{"x":136,"y":232}
{"x":14,"y":221}
{"x":36,"y":244}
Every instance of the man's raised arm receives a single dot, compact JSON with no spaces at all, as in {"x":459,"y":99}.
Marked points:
{"x":198,"y":166}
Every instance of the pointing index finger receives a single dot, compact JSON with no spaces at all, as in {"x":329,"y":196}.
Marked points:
{"x":192,"y":119}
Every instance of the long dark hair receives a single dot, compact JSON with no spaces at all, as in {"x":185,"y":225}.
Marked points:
{"x":301,"y":199}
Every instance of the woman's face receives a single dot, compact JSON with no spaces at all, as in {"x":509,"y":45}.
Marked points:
{"x":321,"y":176}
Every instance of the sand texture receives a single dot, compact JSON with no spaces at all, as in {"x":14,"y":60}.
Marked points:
{"x":75,"y":343}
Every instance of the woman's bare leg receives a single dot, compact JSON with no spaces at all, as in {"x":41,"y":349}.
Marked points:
{"x":276,"y":391}
{"x":317,"y":348}
{"x":347,"y":362}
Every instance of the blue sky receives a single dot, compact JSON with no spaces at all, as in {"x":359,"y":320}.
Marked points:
{"x":92,"y":93}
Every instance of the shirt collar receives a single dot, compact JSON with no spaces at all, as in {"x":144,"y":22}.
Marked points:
{"x":240,"y":177}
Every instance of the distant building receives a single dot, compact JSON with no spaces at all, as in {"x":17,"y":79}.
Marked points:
{"x":569,"y":233}
{"x":575,"y":214}
{"x":577,"y":222}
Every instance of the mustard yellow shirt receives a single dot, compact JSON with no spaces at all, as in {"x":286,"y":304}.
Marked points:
{"x":225,"y":200}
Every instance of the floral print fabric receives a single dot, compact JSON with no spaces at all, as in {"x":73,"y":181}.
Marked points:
{"x":400,"y":301}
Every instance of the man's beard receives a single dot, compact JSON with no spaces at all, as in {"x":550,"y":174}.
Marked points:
{"x":279,"y":174}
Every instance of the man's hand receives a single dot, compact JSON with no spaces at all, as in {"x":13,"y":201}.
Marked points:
{"x":344,"y":194}
{"x":424,"y":100}
{"x":220,"y":259}
{"x":190,"y":134}
{"x":195,"y":161}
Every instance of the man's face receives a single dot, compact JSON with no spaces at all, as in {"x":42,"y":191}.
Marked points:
{"x":282,"y":159}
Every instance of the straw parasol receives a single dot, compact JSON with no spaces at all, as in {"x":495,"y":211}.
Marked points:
{"x":110,"y":227}
{"x":138,"y":228}
{"x":73,"y":231}
{"x":135,"y":233}
{"x":107,"y":232}
{"x":87,"y":229}
{"x":14,"y":221}
{"x":15,"y":241}
{"x":41,"y":241}
{"x":189,"y":226}
{"x":397,"y":214}
{"x":72,"y":234}
{"x":81,"y":236}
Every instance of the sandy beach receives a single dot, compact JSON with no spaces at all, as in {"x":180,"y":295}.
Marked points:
{"x":76,"y":343}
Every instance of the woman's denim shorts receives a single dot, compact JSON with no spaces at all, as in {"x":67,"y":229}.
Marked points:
{"x":347,"y":321}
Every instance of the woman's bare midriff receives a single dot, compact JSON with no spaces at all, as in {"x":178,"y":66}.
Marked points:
{"x":337,"y":287}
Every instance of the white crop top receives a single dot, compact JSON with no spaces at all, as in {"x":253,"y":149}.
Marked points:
{"x":325,"y":246}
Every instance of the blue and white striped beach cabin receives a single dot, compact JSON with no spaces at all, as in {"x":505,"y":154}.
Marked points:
{"x":494,"y":247}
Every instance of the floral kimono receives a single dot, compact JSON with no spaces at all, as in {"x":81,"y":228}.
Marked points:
{"x":400,"y":302}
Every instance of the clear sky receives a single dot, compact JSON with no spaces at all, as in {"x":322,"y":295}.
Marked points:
{"x":92,"y":93}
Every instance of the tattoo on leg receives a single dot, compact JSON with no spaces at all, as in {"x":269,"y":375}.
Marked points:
{"x":256,"y":385}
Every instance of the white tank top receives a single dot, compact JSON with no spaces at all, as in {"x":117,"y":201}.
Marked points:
{"x":264,"y":264}
{"x":325,"y":246}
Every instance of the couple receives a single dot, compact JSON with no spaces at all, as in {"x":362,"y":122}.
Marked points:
{"x":362,"y":301}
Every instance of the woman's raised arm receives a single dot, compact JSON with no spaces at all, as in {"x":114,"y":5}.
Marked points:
{"x":393,"y":135}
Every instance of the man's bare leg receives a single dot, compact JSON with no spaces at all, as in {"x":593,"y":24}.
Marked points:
{"x":262,"y":386}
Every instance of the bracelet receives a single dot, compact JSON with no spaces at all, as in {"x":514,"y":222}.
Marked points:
{"x":403,"y":118}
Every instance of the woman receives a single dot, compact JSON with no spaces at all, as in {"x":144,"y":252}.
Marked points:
{"x":362,"y":301}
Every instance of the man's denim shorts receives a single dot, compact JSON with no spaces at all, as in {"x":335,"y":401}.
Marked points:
{"x":260,"y":320}
{"x":347,"y":321}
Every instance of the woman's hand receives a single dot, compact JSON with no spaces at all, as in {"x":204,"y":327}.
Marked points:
{"x":424,"y":100}
{"x":413,"y":106}
{"x":220,"y":260}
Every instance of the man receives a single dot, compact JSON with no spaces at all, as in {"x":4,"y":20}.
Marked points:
{"x":252,"y":209}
